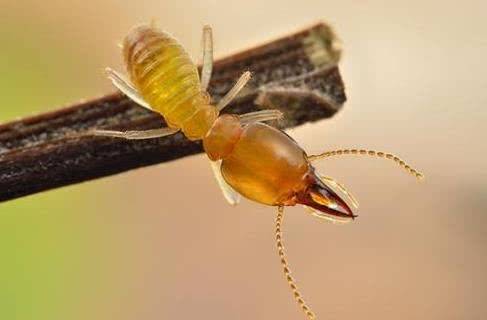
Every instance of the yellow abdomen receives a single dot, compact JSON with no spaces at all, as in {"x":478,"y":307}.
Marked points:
{"x":168,"y":80}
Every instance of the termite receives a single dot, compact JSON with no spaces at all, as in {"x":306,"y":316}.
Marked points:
{"x":248,"y":157}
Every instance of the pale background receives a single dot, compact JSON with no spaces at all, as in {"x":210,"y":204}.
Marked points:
{"x":161,"y":243}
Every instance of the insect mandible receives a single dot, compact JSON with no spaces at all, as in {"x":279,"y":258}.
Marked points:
{"x":248,"y":157}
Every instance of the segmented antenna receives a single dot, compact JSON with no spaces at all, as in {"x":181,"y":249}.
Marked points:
{"x":373,"y":153}
{"x":287,"y":272}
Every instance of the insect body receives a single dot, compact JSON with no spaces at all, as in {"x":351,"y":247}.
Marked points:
{"x":164,"y":75}
{"x":249,"y":157}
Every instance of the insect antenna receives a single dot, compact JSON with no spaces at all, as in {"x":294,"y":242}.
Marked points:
{"x":285,"y":267}
{"x":372,"y":153}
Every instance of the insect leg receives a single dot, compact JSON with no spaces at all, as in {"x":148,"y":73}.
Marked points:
{"x":373,"y":153}
{"x":260,"y":116}
{"x":287,"y":273}
{"x":126,"y":87}
{"x":230,"y":195}
{"x":135,"y":135}
{"x":241,"y":82}
{"x":207,"y":61}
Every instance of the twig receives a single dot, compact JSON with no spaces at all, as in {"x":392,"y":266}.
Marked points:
{"x":296,"y":74}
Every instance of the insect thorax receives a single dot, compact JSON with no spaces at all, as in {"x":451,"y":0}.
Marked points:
{"x":222,"y":137}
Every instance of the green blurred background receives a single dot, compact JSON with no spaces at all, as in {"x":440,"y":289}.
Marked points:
{"x":160,"y":242}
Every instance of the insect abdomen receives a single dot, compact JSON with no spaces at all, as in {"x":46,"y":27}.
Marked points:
{"x":168,"y":80}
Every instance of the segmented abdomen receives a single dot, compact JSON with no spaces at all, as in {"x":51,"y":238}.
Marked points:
{"x":167,"y":79}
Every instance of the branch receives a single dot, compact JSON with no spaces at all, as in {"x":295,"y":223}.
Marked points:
{"x":296,"y":74}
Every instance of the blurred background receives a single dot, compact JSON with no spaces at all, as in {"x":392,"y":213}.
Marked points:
{"x":161,"y":243}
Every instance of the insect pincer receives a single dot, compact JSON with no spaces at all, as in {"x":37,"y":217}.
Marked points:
{"x":323,"y":201}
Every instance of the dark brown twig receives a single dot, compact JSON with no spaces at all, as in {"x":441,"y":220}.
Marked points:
{"x":296,"y":74}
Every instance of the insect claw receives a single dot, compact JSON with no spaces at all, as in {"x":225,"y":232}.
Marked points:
{"x":324,"y":202}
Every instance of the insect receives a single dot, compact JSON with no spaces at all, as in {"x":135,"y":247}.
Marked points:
{"x":248,"y":157}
